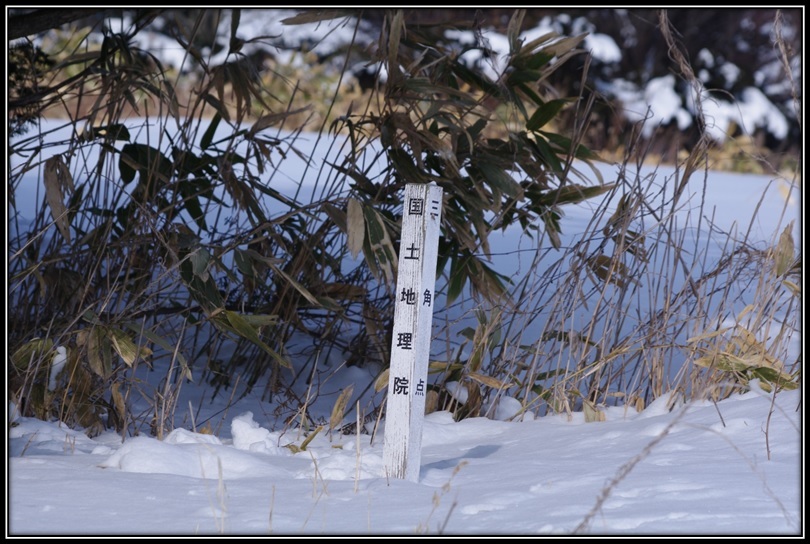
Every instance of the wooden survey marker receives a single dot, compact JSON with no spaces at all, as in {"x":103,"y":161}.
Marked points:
{"x":413,"y":320}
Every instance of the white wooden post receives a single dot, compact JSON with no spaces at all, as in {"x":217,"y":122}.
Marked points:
{"x":413,"y":319}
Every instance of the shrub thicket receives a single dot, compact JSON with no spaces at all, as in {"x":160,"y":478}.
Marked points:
{"x":167,"y":244}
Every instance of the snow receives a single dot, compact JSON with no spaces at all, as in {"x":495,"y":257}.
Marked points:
{"x":603,"y":48}
{"x":751,"y":110}
{"x":731,"y":72}
{"x":457,"y":391}
{"x":706,"y":58}
{"x":234,"y":467}
{"x":491,"y":66}
{"x":58,"y":363}
{"x":657,"y":104}
{"x":758,"y":111}
{"x":699,"y":468}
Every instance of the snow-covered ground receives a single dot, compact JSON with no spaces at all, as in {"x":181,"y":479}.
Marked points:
{"x":734,"y":468}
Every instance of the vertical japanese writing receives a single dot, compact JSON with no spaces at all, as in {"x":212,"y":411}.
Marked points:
{"x":411,"y":335}
{"x":408,"y":296}
{"x":434,"y":209}
{"x":400,"y":385}
{"x":413,"y":252}
{"x":404,"y":340}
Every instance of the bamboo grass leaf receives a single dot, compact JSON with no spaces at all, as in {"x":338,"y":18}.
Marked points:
{"x":546,"y":113}
{"x":382,"y":381}
{"x":126,"y":348}
{"x":31,"y":353}
{"x":244,"y":329}
{"x":155,"y":338}
{"x":58,"y":184}
{"x":489,"y":381}
{"x":316,"y":16}
{"x":297,"y":286}
{"x":339,"y":408}
{"x":356,"y":227}
{"x":783,"y":255}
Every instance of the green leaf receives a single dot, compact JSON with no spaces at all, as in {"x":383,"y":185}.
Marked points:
{"x":58,"y":184}
{"x":773,"y":376}
{"x":784,"y":251}
{"x":208,"y":136}
{"x":336,"y":215}
{"x":539,"y":59}
{"x":425,"y":87}
{"x":204,"y":291}
{"x":483,"y":279}
{"x":362,"y":183}
{"x":524,"y":76}
{"x":260,"y":320}
{"x":317,"y":15}
{"x":150,"y":163}
{"x":99,"y":352}
{"x":499,"y":179}
{"x":32,"y":353}
{"x":297,"y":286}
{"x":475,"y":79}
{"x":244,"y":329}
{"x":126,"y":348}
{"x":573,"y":193}
{"x":153,"y":337}
{"x":215,"y":103}
{"x":194,"y":209}
{"x":564,"y":145}
{"x":236,"y":15}
{"x":200,"y":260}
{"x":551,"y":220}
{"x":243,"y":262}
{"x":405,"y":167}
{"x":491,"y":283}
{"x":356,"y":227}
{"x":564,"y":45}
{"x":378,"y":248}
{"x":533,"y":96}
{"x":547,"y":156}
{"x":546,"y":113}
{"x":115,"y":131}
{"x":456,"y":281}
